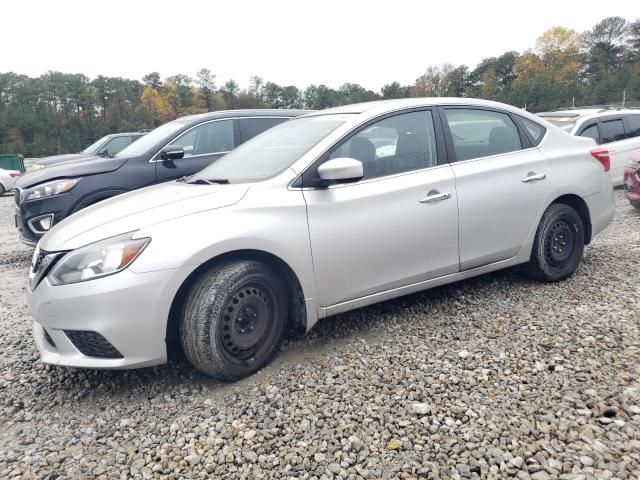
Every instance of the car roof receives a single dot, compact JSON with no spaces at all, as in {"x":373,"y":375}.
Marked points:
{"x":583,"y":113}
{"x":254,"y":112}
{"x":122,"y":134}
{"x":381,"y":106}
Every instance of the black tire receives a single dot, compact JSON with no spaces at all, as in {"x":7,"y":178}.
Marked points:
{"x":635,"y":204}
{"x":558,"y":245}
{"x":233,"y":319}
{"x":2,"y":190}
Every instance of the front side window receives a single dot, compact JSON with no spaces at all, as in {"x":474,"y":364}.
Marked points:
{"x":612,"y":131}
{"x":116,"y":144}
{"x":93,"y":148}
{"x":397,"y":144}
{"x":481,"y":133}
{"x":591,"y":132}
{"x":273,"y":151}
{"x":153,"y":139}
{"x":634,"y":125}
{"x":208,"y":138}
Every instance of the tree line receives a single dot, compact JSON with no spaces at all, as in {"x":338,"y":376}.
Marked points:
{"x":59,"y":112}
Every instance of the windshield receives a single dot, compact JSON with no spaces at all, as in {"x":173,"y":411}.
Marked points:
{"x":151,"y":139}
{"x":565,"y":123}
{"x":271,"y":152}
{"x":93,"y":148}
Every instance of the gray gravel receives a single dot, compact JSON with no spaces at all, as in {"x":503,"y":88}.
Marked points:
{"x":496,"y":377}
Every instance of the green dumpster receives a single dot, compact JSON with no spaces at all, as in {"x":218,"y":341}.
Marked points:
{"x":12,"y":162}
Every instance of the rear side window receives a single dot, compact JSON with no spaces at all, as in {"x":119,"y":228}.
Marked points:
{"x":591,"y":132}
{"x":612,"y":131}
{"x":634,"y":125}
{"x":481,"y":133}
{"x":250,"y":127}
{"x":536,"y":132}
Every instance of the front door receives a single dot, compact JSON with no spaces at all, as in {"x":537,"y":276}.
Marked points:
{"x":202,"y":145}
{"x":396,"y":226}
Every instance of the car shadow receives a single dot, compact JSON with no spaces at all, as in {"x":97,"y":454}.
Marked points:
{"x":95,"y":388}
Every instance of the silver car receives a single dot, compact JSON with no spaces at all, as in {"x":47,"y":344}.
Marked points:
{"x":322,"y":214}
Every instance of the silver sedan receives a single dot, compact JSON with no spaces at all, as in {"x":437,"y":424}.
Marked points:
{"x":320,"y":215}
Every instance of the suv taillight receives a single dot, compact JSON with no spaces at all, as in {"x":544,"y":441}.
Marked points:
{"x":602,"y":156}
{"x":14,"y":174}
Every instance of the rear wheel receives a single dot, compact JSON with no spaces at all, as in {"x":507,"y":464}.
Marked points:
{"x":635,"y":203}
{"x":233,"y":319}
{"x":558,"y":245}
{"x":2,"y":190}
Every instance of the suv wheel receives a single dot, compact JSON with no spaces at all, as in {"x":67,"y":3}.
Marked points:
{"x":635,"y":203}
{"x":558,"y":245}
{"x":233,"y":319}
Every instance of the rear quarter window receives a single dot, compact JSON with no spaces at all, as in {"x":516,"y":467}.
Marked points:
{"x":535,"y":131}
{"x":634,"y":125}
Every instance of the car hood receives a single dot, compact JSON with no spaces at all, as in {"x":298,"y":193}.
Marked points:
{"x":138,"y":209}
{"x":71,"y":168}
{"x":45,"y":161}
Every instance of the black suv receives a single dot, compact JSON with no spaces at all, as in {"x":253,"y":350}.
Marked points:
{"x":182,"y":147}
{"x":107,"y":145}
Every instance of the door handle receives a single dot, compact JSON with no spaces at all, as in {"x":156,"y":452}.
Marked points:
{"x":435,"y":197}
{"x":532,"y":177}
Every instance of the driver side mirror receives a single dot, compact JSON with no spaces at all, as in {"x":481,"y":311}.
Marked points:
{"x":103,"y":153}
{"x":340,"y":170}
{"x":172,"y":152}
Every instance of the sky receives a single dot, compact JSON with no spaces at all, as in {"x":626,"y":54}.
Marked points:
{"x":288,"y":42}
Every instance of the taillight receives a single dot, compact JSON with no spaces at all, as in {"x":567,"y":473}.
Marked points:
{"x":602,"y":156}
{"x":14,"y":174}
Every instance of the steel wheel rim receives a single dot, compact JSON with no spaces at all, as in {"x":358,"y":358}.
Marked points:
{"x":560,"y":243}
{"x":247,"y":322}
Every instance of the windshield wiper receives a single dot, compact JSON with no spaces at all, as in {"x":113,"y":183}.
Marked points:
{"x":210,"y":181}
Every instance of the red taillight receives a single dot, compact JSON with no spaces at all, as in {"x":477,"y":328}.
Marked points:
{"x":14,"y":174}
{"x":602,"y":156}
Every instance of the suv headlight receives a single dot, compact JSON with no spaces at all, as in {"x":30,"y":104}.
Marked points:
{"x":96,"y":260}
{"x":48,"y":189}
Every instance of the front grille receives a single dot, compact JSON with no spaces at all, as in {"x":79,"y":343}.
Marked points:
{"x":16,"y":195}
{"x":92,"y":344}
{"x":48,"y":338}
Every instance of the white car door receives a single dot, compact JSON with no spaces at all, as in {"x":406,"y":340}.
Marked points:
{"x":501,"y":180}
{"x":614,"y":138}
{"x":398,"y":225}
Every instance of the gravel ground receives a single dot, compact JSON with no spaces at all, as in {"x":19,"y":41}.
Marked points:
{"x":496,"y":377}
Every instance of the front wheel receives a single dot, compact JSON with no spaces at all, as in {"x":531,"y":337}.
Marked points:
{"x":635,"y":204}
{"x":2,"y":190}
{"x":558,"y":245}
{"x":233,"y":319}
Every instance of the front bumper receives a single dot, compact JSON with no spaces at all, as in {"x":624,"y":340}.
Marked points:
{"x":128,"y":310}
{"x":57,"y":206}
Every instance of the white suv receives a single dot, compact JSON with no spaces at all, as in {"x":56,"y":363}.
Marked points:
{"x":617,"y":128}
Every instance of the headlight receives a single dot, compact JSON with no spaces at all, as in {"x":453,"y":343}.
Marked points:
{"x":50,"y":188}
{"x":96,"y":260}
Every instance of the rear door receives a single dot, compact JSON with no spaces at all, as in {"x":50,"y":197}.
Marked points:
{"x":202,"y":145}
{"x":502,"y":181}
